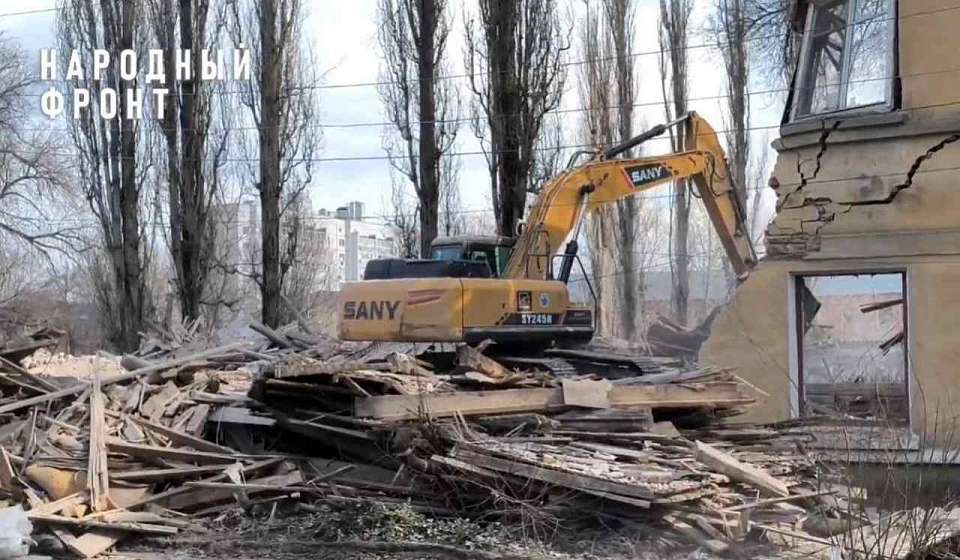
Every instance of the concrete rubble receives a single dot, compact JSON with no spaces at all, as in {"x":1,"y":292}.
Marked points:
{"x":156,"y":443}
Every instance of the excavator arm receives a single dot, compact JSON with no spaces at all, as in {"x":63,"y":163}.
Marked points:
{"x":558,"y":213}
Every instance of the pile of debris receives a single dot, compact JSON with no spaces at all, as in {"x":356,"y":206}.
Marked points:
{"x":182,"y":434}
{"x":490,"y":438}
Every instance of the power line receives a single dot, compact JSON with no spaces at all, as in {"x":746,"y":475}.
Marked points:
{"x":382,"y":218}
{"x":657,"y":103}
{"x":561,"y":147}
{"x":29,"y":12}
{"x":378,"y":83}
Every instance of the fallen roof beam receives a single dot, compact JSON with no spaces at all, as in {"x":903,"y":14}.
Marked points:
{"x":472,"y":403}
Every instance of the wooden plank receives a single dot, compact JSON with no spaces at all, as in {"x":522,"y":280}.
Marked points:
{"x":630,"y":419}
{"x":11,"y":431}
{"x":470,"y":358}
{"x":181,"y":438}
{"x":63,"y":505}
{"x":163,"y":497}
{"x":98,"y":481}
{"x":613,"y":450}
{"x":271,"y":487}
{"x":236,"y":415}
{"x":406,"y":364}
{"x":587,"y":393}
{"x":42,"y":399}
{"x":145,"y":528}
{"x":94,"y":543}
{"x":737,"y":470}
{"x":7,"y":474}
{"x":771,"y":501}
{"x":271,"y":335}
{"x":165,"y":474}
{"x":37,"y":380}
{"x":14,"y":380}
{"x":551,"y":476}
{"x":199,"y":497}
{"x":408,"y":407}
{"x":157,"y":403}
{"x":197,"y":420}
{"x":170,"y":364}
{"x":694,"y":534}
{"x":471,"y":403}
{"x":876,"y":306}
{"x":154,"y":453}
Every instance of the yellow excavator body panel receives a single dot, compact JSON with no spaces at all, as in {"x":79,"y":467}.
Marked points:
{"x":460,"y":309}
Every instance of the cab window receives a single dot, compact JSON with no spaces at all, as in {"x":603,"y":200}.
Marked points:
{"x":447,"y":253}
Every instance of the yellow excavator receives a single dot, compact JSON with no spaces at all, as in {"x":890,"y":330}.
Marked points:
{"x":514,"y":291}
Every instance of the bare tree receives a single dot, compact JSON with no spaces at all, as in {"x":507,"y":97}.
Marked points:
{"x":452,"y":214}
{"x":281,"y":102}
{"x":596,"y":88}
{"x":774,"y":45}
{"x":33,"y":187}
{"x":620,"y":18}
{"x":730,"y":25}
{"x":195,"y":161}
{"x":607,"y":87}
{"x":309,"y":256}
{"x":111,"y":167}
{"x":674,"y":22}
{"x":514,"y":55}
{"x":404,"y":220}
{"x":756,"y":220}
{"x":550,"y":152}
{"x":423,"y":108}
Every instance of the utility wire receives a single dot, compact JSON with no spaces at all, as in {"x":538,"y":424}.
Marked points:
{"x":657,"y":103}
{"x":378,"y":83}
{"x":81,"y":221}
{"x":816,"y":119}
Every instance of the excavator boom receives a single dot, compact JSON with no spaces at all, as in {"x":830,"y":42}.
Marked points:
{"x":557,"y":214}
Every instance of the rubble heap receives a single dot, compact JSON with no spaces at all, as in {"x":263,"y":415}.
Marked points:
{"x":176,"y":437}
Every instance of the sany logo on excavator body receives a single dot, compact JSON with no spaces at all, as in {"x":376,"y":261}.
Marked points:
{"x":370,"y":310}
{"x":643,"y":174}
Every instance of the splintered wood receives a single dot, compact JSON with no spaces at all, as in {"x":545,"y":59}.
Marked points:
{"x":581,"y":434}
{"x":97,"y":478}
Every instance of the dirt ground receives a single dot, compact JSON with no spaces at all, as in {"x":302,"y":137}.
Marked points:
{"x":400,"y":535}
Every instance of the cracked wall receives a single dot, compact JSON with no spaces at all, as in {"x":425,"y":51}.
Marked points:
{"x":843,"y":187}
{"x":866,"y":193}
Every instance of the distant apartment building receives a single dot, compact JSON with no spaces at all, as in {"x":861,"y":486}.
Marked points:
{"x":343,"y":240}
{"x":354,"y":240}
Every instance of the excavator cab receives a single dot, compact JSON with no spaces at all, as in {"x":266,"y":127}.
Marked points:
{"x":493,"y":250}
{"x":450,"y":257}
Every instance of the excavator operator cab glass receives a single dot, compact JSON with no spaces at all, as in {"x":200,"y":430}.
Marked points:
{"x":447,"y":253}
{"x":495,"y":251}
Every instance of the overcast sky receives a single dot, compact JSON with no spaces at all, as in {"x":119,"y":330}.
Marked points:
{"x":343,"y":33}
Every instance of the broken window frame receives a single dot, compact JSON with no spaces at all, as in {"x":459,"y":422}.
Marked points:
{"x":798,"y":331}
{"x":803,"y":90}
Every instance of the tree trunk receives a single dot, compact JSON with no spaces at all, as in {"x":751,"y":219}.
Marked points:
{"x":132,"y":287}
{"x":674,"y":18}
{"x":429,"y":191}
{"x":191,"y":266}
{"x":505,"y":93}
{"x":620,"y":16}
{"x":270,"y":282}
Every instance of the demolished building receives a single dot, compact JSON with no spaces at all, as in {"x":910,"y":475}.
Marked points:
{"x":855,"y":307}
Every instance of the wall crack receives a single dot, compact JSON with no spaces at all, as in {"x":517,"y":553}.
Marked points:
{"x":804,"y":179}
{"x":908,"y":182}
